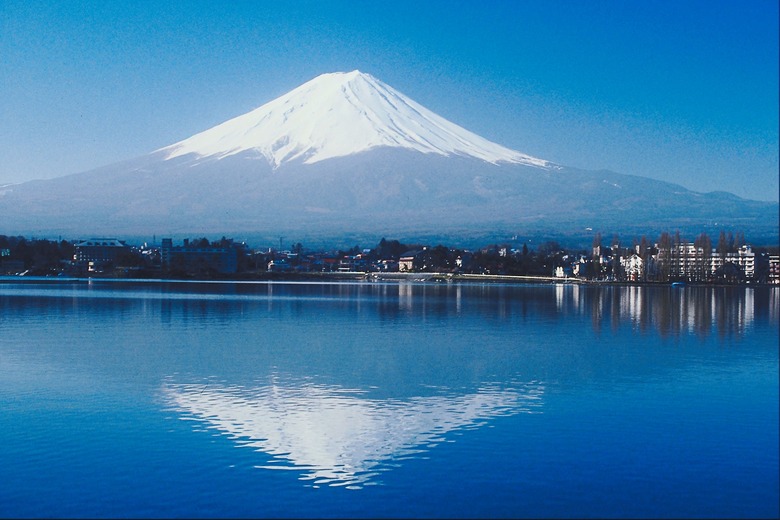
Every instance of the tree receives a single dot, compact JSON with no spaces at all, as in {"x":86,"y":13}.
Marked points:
{"x":548,"y":248}
{"x":390,"y":249}
{"x":596,"y":255}
{"x":723,"y":246}
{"x":596,"y":240}
{"x":644,"y":245}
{"x":664,"y":256}
{"x":679,"y":257}
{"x":703,"y":246}
{"x":739,"y":240}
{"x":440,"y":258}
{"x":129,"y":258}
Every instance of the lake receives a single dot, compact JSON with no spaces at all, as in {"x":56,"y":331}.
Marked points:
{"x":230,"y":399}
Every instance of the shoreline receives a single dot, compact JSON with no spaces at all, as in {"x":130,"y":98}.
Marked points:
{"x":370,"y":277}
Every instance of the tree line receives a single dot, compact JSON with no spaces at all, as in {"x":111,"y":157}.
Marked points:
{"x":44,"y":257}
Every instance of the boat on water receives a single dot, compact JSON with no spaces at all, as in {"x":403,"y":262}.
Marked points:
{"x":678,"y":284}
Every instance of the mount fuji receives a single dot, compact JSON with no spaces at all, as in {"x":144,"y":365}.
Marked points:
{"x":341,"y":114}
{"x":345,"y":155}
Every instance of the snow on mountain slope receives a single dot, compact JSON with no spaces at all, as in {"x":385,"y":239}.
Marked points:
{"x":340,"y":114}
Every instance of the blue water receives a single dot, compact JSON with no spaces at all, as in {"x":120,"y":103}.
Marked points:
{"x":163,"y":399}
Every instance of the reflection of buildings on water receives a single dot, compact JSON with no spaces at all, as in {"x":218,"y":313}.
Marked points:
{"x":672,"y":311}
{"x":337,"y":436}
{"x":700,"y":310}
{"x":405,"y":296}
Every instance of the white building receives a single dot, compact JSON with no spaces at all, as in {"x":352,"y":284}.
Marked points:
{"x":633,"y":266}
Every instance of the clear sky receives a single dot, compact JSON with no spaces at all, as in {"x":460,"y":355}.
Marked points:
{"x":683,"y":91}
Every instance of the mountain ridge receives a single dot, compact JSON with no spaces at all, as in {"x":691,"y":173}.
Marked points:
{"x":398,"y":191}
{"x":338,"y":114}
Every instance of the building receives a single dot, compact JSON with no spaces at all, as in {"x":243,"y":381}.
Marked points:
{"x":97,"y":254}
{"x":774,"y":269}
{"x":198,"y":258}
{"x":410,"y":261}
{"x":633,"y":267}
{"x":743,"y":259}
{"x":688,"y":262}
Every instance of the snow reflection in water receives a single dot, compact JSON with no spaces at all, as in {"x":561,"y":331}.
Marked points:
{"x":337,"y":436}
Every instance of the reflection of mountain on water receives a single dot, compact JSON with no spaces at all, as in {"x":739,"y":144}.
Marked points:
{"x":337,"y":436}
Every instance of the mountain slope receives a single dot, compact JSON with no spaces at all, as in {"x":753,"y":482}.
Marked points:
{"x":340,"y":114}
{"x":379,"y":192}
{"x":346,"y":155}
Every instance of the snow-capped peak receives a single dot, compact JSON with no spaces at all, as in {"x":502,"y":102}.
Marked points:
{"x":340,"y":114}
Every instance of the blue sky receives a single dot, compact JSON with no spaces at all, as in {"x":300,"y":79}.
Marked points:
{"x":685,"y":92}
